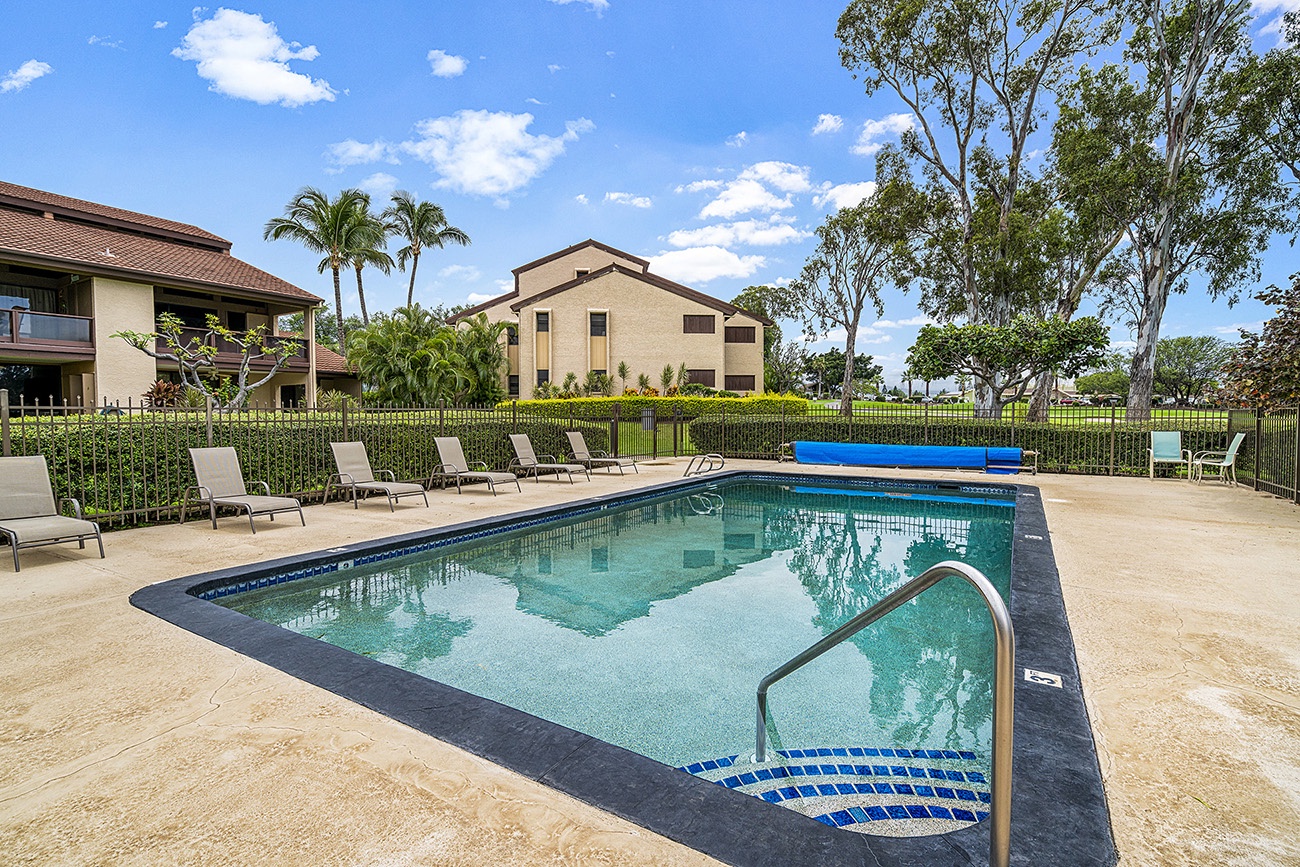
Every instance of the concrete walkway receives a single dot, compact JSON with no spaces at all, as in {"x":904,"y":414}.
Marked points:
{"x":125,"y":740}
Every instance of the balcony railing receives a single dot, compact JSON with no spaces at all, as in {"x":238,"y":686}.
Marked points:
{"x":229,"y":352}
{"x":46,"y":331}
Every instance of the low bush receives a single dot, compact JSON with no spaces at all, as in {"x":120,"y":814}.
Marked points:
{"x":630,"y":406}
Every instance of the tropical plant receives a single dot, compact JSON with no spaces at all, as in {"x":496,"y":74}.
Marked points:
{"x":366,"y":242}
{"x":683,"y":375}
{"x":1264,"y":370}
{"x":666,"y":377}
{"x":325,"y":226}
{"x":485,"y":358}
{"x":643,"y":381}
{"x":623,"y":373}
{"x":421,"y":225}
{"x":410,"y":359}
{"x":163,"y":393}
{"x":597,"y":384}
{"x":569,"y":388}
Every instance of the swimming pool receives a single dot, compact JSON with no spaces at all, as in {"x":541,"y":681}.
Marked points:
{"x":755,"y":583}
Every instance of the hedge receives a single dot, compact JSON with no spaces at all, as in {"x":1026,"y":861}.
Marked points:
{"x":1083,"y":448}
{"x":135,"y":470}
{"x":665,"y":407}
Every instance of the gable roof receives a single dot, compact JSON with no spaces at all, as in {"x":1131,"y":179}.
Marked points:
{"x":109,"y":242}
{"x":329,"y":361}
{"x":590,"y":242}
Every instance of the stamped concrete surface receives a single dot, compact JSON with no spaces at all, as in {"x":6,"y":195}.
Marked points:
{"x":126,"y":740}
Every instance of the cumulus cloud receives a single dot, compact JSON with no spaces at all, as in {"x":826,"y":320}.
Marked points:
{"x":742,"y":197}
{"x":871,"y":138}
{"x":702,"y":264}
{"x":351,"y":152}
{"x":476,"y":298}
{"x":465,"y":273}
{"x":105,"y":41}
{"x":597,"y":6}
{"x":553,"y":68}
{"x":581,"y":198}
{"x":628,"y":199}
{"x":844,"y":195}
{"x":488,"y":153}
{"x":912,"y":322}
{"x":754,"y":233}
{"x":1237,"y":327}
{"x":380,"y":185}
{"x":786,"y":177}
{"x":696,"y":186}
{"x":738,"y":140}
{"x":159,"y":25}
{"x":245,"y":58}
{"x":828,"y":123}
{"x":446,"y":65}
{"x":17,"y":79}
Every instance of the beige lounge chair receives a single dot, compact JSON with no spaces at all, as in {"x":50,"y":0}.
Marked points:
{"x":354,"y":474}
{"x":595,"y":459}
{"x":221,"y":483}
{"x":29,"y":517}
{"x":454,"y":465}
{"x":528,"y":461}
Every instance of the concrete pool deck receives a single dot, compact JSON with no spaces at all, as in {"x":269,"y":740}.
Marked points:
{"x":124,"y":739}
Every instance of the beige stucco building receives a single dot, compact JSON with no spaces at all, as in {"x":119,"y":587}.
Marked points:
{"x":591,"y":307}
{"x":73,"y":273}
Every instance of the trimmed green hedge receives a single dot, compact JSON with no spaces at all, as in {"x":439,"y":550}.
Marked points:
{"x":135,"y":470}
{"x":690,"y":407}
{"x":1085,"y":448}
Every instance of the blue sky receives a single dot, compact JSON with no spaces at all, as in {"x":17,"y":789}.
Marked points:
{"x":711,"y":138}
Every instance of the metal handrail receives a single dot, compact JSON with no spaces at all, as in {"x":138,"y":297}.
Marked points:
{"x":1003,"y":681}
{"x":707,"y":464}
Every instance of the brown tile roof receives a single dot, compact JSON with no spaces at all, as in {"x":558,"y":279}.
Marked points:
{"x":590,"y":242}
{"x":109,"y":252}
{"x":329,"y":361}
{"x":13,"y":194}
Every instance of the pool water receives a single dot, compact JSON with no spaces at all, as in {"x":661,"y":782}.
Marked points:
{"x":649,"y":625}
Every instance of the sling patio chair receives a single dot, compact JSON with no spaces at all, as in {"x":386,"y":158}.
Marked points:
{"x":597,"y":458}
{"x":532,"y":465}
{"x":1167,"y":448}
{"x":455,"y":466}
{"x":221,"y":483}
{"x":29,"y":516}
{"x":1225,"y":462}
{"x":354,"y":474}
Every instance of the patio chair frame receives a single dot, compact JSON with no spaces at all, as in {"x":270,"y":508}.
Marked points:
{"x":348,"y":482}
{"x":1225,"y":460}
{"x":14,"y":534}
{"x":468,"y":474}
{"x":235,"y":501}
{"x":534,"y":465}
{"x":597,"y":458}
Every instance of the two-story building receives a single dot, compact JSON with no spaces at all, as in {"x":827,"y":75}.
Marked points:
{"x":591,"y":307}
{"x":72,"y":273}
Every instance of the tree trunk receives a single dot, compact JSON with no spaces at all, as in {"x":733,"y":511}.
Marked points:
{"x":338,"y":315}
{"x":361,"y":297}
{"x":1040,"y":403}
{"x":410,"y":289}
{"x":1155,"y":295}
{"x":846,"y":392}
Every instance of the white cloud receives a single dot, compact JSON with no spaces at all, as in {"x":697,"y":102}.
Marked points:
{"x":446,"y":65}
{"x":245,"y":58}
{"x":534,"y":101}
{"x":380,"y":185}
{"x":159,"y":25}
{"x":597,"y":6}
{"x":105,"y":41}
{"x":17,"y":79}
{"x":869,"y":139}
{"x":476,"y":298}
{"x":488,"y":153}
{"x":913,"y":322}
{"x":828,"y":123}
{"x":1237,"y":327}
{"x":755,"y":233}
{"x":581,"y":198}
{"x":553,"y":68}
{"x":844,"y":195}
{"x":628,"y":199}
{"x":351,"y":152}
{"x":786,"y":177}
{"x":741,"y":197}
{"x":1276,"y":8}
{"x":738,"y":140}
{"x":465,"y":273}
{"x":696,"y":186}
{"x":702,"y":264}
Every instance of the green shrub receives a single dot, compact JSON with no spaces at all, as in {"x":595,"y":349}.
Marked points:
{"x":689,"y":406}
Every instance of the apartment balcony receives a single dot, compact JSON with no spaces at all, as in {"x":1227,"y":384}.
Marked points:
{"x":38,"y":337}
{"x":229,"y":354}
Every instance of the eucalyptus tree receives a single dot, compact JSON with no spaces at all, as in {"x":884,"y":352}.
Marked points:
{"x":421,"y":225}
{"x":974,"y":75}
{"x":366,"y":240}
{"x":322,"y":225}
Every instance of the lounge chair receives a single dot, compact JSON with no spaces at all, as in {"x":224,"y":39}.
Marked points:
{"x":29,"y":517}
{"x":1224,"y":462}
{"x":454,"y":464}
{"x":221,"y":483}
{"x":354,"y":474}
{"x":528,"y":461}
{"x":595,"y":459}
{"x":1167,"y":448}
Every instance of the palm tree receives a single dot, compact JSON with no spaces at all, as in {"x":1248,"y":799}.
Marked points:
{"x":485,"y":356}
{"x":421,"y":225}
{"x":623,"y":373}
{"x":322,"y":226}
{"x":367,"y":238}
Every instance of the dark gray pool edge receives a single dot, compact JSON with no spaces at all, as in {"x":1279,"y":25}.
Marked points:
{"x":1059,"y":813}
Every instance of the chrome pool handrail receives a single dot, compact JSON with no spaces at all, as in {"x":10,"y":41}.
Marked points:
{"x":1003,"y":683}
{"x":706,"y":464}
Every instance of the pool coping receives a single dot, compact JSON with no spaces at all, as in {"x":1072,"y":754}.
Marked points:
{"x":1059,"y":803}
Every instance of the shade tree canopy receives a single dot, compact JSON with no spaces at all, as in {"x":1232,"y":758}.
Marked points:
{"x":1264,"y":369}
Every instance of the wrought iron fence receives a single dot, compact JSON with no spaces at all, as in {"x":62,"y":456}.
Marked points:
{"x":130,"y":465}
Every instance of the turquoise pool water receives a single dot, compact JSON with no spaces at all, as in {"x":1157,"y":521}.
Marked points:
{"x":649,"y":624}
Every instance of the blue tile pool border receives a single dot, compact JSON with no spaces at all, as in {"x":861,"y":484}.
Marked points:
{"x":1059,"y":813}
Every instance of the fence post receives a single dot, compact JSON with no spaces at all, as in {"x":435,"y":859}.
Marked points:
{"x":514,"y":415}
{"x":925,"y":437}
{"x":1295,"y":475}
{"x":1113,"y":411}
{"x":345,"y":418}
{"x":613,"y":431}
{"x":783,"y":439}
{"x":1259,"y":442}
{"x":723,"y":438}
{"x":4,"y":421}
{"x":207,"y":411}
{"x":442,"y":417}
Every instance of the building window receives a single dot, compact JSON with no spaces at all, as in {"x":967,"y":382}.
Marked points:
{"x":512,"y":384}
{"x":543,"y":322}
{"x":237,"y":320}
{"x":543,"y":377}
{"x":581,"y":272}
{"x":738,"y":334}
{"x":512,"y":335}
{"x":598,"y":322}
{"x":600,"y":372}
{"x":739,"y":383}
{"x":703,"y":377}
{"x":698,"y":324}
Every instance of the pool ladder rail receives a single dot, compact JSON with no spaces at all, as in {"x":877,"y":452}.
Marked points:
{"x":701,"y":464}
{"x":1003,"y":685}
{"x":706,"y":503}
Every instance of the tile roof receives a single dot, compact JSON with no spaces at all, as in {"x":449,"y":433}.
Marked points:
{"x":27,"y":196}
{"x":590,"y":242}
{"x":111,"y":252}
{"x":329,"y":361}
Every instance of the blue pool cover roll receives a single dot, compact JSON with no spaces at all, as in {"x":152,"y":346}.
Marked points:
{"x":875,"y":455}
{"x":1004,"y":461}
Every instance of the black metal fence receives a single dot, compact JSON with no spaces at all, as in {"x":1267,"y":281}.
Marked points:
{"x":130,"y":465}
